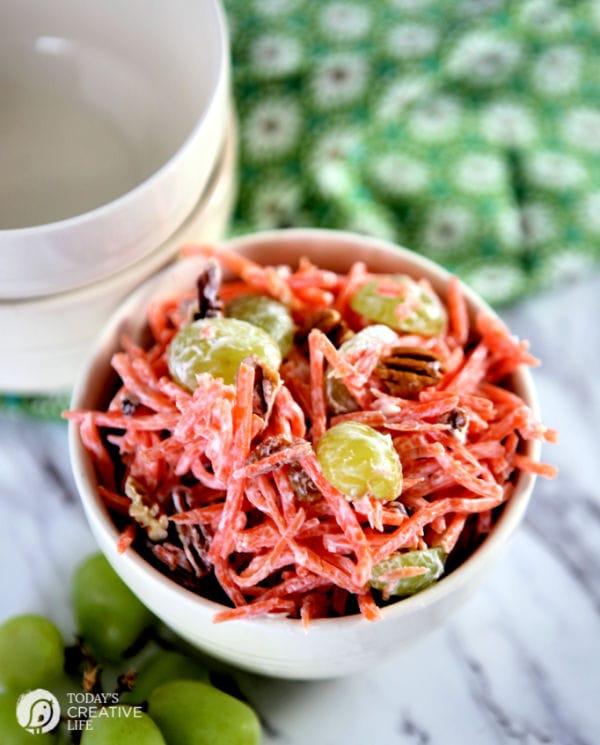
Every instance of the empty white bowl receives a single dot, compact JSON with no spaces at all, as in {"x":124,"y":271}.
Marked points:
{"x":113,"y":116}
{"x":45,"y":340}
{"x":276,"y":646}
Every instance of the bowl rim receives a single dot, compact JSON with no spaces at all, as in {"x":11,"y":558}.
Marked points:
{"x":221,"y":33}
{"x":105,"y":530}
{"x":169,"y":247}
{"x":43,"y":354}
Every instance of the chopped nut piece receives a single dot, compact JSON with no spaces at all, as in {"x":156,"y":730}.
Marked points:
{"x":408,"y":370}
{"x":147,"y":517}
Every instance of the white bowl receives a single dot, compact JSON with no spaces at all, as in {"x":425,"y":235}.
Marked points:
{"x":112,"y":119}
{"x":276,"y":646}
{"x":45,"y":340}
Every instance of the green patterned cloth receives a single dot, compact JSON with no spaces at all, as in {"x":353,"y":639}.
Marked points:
{"x":468,"y":130}
{"x":36,"y":407}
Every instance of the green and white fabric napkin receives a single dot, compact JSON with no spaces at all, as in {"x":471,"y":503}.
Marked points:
{"x":468,"y":130}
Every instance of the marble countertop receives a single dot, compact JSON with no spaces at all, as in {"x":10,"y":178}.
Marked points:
{"x":520,"y":663}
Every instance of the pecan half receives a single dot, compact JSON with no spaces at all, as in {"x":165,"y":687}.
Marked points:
{"x":408,"y":370}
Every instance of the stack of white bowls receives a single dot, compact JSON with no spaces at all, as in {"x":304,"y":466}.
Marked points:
{"x":117,"y":146}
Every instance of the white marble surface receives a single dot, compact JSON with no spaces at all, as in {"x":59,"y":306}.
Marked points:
{"x":520,"y":663}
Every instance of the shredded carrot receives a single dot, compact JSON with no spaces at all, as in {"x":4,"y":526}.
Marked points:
{"x":258,"y":608}
{"x":541,"y":469}
{"x":356,"y":277}
{"x":452,"y":533}
{"x":458,"y":316}
{"x":317,"y":398}
{"x":126,"y":538}
{"x":241,"y":489}
{"x":368,"y":606}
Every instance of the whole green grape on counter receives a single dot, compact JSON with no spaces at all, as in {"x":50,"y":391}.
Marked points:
{"x":109,"y":616}
{"x":31,"y":652}
{"x":124,"y":726}
{"x":194,"y":713}
{"x":11,"y":731}
{"x":162,"y":667}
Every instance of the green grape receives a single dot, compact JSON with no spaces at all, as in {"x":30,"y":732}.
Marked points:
{"x":218,"y":346}
{"x":360,"y":461}
{"x":378,"y":300}
{"x":270,"y":315}
{"x":160,"y":668}
{"x":109,"y":616}
{"x":31,"y":652}
{"x":432,"y":559}
{"x":121,"y":725}
{"x":192,"y":713}
{"x":11,"y":731}
{"x":339,"y":398}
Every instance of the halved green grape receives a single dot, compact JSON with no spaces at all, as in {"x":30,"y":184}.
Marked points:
{"x":161,"y":668}
{"x":339,"y":398}
{"x":31,"y":652}
{"x":192,"y":713}
{"x":218,"y":346}
{"x":11,"y":731}
{"x":431,"y":559}
{"x":400,"y":303}
{"x":121,"y":725}
{"x":360,"y":461}
{"x":109,"y":616}
{"x":266,"y":313}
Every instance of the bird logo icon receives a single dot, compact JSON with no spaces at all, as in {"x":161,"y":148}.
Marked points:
{"x":39,"y":716}
{"x":38,"y":711}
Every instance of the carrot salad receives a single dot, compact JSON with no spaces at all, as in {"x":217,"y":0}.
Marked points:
{"x":352,"y":463}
